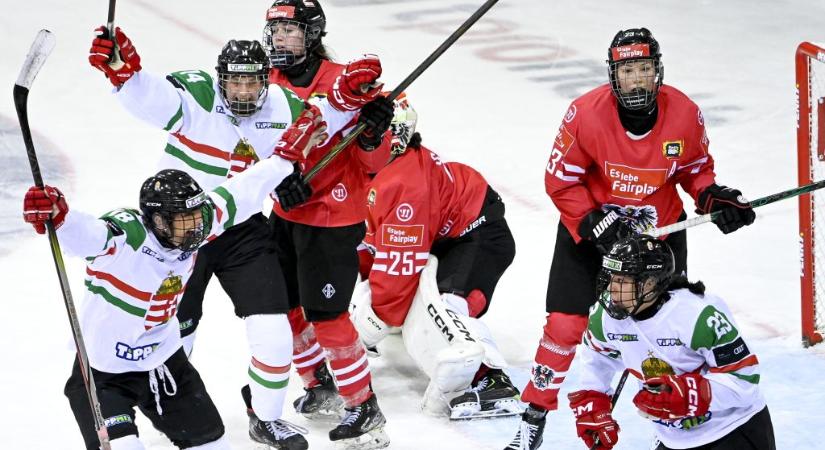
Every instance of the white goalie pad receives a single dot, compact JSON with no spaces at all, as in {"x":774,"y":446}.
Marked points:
{"x":371,"y":329}
{"x":437,"y":338}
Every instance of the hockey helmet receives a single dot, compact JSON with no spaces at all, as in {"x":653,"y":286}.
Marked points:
{"x":293,"y":29}
{"x":243,"y":69}
{"x":403,"y":123}
{"x":636,"y":270}
{"x":176,"y":209}
{"x":628,"y":47}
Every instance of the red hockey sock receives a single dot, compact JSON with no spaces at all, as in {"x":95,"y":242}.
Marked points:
{"x":347,"y":358}
{"x":562,"y":333}
{"x":476,"y":302}
{"x":307,"y":353}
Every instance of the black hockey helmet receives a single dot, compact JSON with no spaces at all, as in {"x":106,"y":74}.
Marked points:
{"x":634,"y":44}
{"x":304,"y":15}
{"x":241,"y":61}
{"x":647,"y":261}
{"x":169,"y":202}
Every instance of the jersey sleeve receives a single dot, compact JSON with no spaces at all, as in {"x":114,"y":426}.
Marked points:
{"x":241,"y":196}
{"x":563,"y":177}
{"x":400,"y":245}
{"x":336,"y":120}
{"x":374,"y":160}
{"x":695,"y":171}
{"x":99,"y":240}
{"x":599,"y":360}
{"x":732,"y":369}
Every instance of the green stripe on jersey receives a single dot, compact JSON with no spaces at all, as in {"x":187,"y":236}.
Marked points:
{"x":266,"y":383}
{"x":174,"y":118}
{"x":296,"y":104}
{"x":230,"y":205}
{"x":752,"y":379}
{"x":101,"y":291}
{"x":712,"y":329}
{"x":199,"y":84}
{"x":193,"y":163}
{"x":594,"y":323}
{"x":130,"y":222}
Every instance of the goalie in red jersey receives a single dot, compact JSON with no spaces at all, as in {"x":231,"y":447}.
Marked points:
{"x":438,"y":244}
{"x":620,"y":152}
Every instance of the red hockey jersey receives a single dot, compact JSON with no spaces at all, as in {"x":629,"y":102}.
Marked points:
{"x":339,"y":189}
{"x":595,"y":163}
{"x":412,"y":203}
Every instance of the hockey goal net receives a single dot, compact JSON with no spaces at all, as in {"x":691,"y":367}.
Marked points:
{"x":810,"y":88}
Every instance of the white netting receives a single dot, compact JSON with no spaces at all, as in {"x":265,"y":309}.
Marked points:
{"x":816,"y":149}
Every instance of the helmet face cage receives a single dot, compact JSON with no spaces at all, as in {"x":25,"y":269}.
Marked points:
{"x":403,"y":124}
{"x":243,"y":69}
{"x":285,"y":19}
{"x":176,"y":210}
{"x":628,"y":46}
{"x":644,"y":261}
{"x":191,"y":227}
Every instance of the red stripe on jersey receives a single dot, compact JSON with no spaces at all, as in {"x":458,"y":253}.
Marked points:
{"x":202,"y":148}
{"x":131,"y":291}
{"x":749,"y":361}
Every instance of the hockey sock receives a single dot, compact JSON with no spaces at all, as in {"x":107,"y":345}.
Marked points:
{"x":562,"y":332}
{"x":307,"y":354}
{"x":347,"y":358}
{"x":270,"y":342}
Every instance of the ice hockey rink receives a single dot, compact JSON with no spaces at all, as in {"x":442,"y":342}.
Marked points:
{"x":494,"y":101}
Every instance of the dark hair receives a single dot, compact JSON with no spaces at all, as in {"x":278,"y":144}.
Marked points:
{"x":681,"y":282}
{"x":415,"y":141}
{"x":322,"y":52}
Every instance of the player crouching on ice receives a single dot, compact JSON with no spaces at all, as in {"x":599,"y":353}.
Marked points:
{"x":438,"y":244}
{"x":138,"y":265}
{"x":699,"y":380}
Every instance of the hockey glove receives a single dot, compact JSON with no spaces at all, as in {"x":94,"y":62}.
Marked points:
{"x":674,"y":396}
{"x":604,"y":229}
{"x":303,"y":135}
{"x":356,"y":86}
{"x":734,"y":210}
{"x":377,"y":115}
{"x":293,"y":190}
{"x":117,"y":61}
{"x":42,"y":204}
{"x":593,"y":418}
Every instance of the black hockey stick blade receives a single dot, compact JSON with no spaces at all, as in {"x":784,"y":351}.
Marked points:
{"x":404,"y":85}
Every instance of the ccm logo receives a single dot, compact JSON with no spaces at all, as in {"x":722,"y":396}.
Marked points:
{"x":445,"y":329}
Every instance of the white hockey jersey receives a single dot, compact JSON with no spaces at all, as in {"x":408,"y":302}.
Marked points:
{"x":690,"y":333}
{"x":134,"y":284}
{"x":205,"y":139}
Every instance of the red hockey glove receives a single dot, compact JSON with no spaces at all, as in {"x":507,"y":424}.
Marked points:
{"x":305,"y":133}
{"x":735,"y":210}
{"x":126,"y":61}
{"x":593,"y":418}
{"x":356,"y":86}
{"x":674,"y":396}
{"x":42,"y":204}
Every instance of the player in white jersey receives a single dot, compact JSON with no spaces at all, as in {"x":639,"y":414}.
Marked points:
{"x":217,"y":129}
{"x":137,"y":267}
{"x":699,"y":380}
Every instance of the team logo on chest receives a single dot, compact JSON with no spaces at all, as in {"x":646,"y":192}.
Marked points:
{"x":371,"y":198}
{"x":164,"y":304}
{"x":633,"y":183}
{"x":242,"y":157}
{"x":655,"y":367}
{"x":339,"y":192}
{"x":673,"y":149}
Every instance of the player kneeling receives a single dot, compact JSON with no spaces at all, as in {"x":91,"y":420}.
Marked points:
{"x":438,"y":245}
{"x":699,"y":380}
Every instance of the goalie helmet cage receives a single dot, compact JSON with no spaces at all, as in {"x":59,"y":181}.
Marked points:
{"x":810,"y":137}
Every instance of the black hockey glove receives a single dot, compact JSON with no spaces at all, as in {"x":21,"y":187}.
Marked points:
{"x":377,"y":115}
{"x":293,"y":190}
{"x":604,"y":229}
{"x":734,"y":210}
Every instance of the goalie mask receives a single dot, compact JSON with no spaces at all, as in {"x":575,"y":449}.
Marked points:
{"x":243,"y":69}
{"x":176,"y":210}
{"x":293,"y":30}
{"x":403,"y":124}
{"x":634,"y":66}
{"x":635,"y":272}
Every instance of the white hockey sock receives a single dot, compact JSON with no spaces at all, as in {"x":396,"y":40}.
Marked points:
{"x":270,"y":342}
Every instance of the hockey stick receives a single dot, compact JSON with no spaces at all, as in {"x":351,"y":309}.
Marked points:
{"x":613,"y":399}
{"x":40,"y":50}
{"x":698,"y":220}
{"x":110,"y":20}
{"x":404,"y":85}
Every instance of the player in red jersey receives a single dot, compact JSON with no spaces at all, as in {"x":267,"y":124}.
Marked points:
{"x":620,"y":152}
{"x":421,"y":209}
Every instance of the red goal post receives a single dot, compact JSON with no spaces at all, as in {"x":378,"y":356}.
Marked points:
{"x":810,"y":138}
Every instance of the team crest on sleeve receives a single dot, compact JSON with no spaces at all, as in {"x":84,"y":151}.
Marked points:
{"x":673,"y":149}
{"x":404,"y":212}
{"x":564,"y":140}
{"x":542,"y":376}
{"x":571,"y":113}
{"x":700,"y":118}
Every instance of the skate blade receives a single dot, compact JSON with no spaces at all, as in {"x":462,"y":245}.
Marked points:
{"x":373,"y":439}
{"x":326,"y":416}
{"x":472,"y":410}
